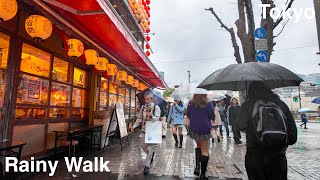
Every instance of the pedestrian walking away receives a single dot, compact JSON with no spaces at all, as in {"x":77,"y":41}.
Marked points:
{"x":232,"y":114}
{"x":223,"y":113}
{"x":148,"y":112}
{"x":270,"y":128}
{"x":176,"y":119}
{"x":304,"y":120}
{"x":215,"y":132}
{"x":200,"y":113}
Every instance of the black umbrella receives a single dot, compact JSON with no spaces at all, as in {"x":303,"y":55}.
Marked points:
{"x":237,"y":77}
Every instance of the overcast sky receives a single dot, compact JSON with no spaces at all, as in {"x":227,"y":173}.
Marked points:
{"x":189,"y":38}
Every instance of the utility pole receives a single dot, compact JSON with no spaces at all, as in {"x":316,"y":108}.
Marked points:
{"x":189,"y":76}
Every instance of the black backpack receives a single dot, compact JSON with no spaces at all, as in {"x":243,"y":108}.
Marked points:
{"x":271,"y":125}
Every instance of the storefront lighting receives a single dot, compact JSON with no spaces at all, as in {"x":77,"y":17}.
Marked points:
{"x":8,"y":9}
{"x":122,"y":75}
{"x":75,"y":48}
{"x":112,"y":69}
{"x":91,"y":56}
{"x":136,"y":83}
{"x":130,"y":80}
{"x":102,"y":64}
{"x":38,"y":27}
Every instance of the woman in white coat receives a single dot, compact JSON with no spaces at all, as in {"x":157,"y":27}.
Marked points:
{"x":215,"y":133}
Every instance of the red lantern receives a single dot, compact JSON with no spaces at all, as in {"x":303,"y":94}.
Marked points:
{"x":147,"y":46}
{"x":148,"y":38}
{"x":148,"y":53}
{"x":149,"y":23}
{"x":148,"y":30}
{"x":148,"y":8}
{"x":147,"y":2}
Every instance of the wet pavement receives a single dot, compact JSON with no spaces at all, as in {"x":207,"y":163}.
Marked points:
{"x":226,"y":160}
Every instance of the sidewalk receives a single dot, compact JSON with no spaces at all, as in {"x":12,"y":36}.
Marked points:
{"x":226,"y":160}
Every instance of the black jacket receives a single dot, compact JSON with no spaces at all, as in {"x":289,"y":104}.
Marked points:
{"x":245,"y":123}
{"x":233,"y":113}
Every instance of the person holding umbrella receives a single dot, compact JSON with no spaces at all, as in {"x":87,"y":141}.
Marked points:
{"x":304,"y":120}
{"x":270,"y":128}
{"x":233,"y":113}
{"x":176,"y":119}
{"x":200,"y":113}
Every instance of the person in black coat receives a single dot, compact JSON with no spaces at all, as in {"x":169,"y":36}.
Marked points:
{"x":262,"y":163}
{"x":233,"y":113}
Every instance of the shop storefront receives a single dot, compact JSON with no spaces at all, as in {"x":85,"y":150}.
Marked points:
{"x":43,"y":88}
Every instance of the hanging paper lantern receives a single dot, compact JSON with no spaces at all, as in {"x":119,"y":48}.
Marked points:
{"x":130,"y":80}
{"x":141,"y":87}
{"x":144,"y":22}
{"x":112,"y":69}
{"x":132,"y":2}
{"x":122,"y":75}
{"x":8,"y":9}
{"x":96,"y":70}
{"x":148,"y":30}
{"x":147,"y":46}
{"x":138,"y":11}
{"x":75,"y":48}
{"x":148,"y":8}
{"x":102,"y":64}
{"x":136,"y":83}
{"x":141,"y":16}
{"x":148,"y":53}
{"x":148,"y":38}
{"x":136,"y":5}
{"x":91,"y":56}
{"x":38,"y":27}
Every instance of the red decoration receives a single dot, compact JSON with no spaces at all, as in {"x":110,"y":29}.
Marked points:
{"x":148,"y":53}
{"x":148,"y":30}
{"x":96,"y":70}
{"x":148,"y":38}
{"x":105,"y":75}
{"x":148,"y":8}
{"x":147,"y":46}
{"x":149,"y":23}
{"x":147,"y":2}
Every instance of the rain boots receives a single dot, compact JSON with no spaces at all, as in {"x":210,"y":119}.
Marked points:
{"x":181,"y":141}
{"x":198,"y":159}
{"x":176,"y":139}
{"x":204,"y":164}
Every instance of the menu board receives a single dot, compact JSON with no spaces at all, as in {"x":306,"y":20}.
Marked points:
{"x":121,"y":120}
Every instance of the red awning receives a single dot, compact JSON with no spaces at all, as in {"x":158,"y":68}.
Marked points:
{"x":95,"y":19}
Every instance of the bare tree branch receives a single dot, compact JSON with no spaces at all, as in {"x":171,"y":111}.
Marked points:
{"x":232,"y":34}
{"x":251,"y":29}
{"x":282,"y":28}
{"x":275,"y":24}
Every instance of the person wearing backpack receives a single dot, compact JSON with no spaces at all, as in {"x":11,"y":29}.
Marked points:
{"x":148,"y":112}
{"x":270,"y":128}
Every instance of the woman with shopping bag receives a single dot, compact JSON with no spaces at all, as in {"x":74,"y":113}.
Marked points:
{"x":149,"y":112}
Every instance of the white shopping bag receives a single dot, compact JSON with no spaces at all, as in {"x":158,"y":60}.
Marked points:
{"x":153,"y":132}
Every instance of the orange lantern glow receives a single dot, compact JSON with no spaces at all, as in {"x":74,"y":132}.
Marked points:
{"x":141,"y":87}
{"x":75,"y":48}
{"x":130,"y":80}
{"x":112,"y":69}
{"x":8,"y":9}
{"x":122,"y":75}
{"x":102,"y":64}
{"x":38,"y":27}
{"x":91,"y":56}
{"x":136,"y":83}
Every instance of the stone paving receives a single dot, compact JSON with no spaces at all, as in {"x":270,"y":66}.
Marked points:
{"x":226,"y":160}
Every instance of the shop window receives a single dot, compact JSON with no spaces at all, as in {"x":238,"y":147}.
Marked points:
{"x":78,"y":113}
{"x":32,"y":90}
{"x":2,"y":87}
{"x":133,"y":103}
{"x":112,"y":100}
{"x":60,"y":70}
{"x":58,"y":113}
{"x":79,"y":98}
{"x":60,"y":95}
{"x":79,"y":77}
{"x":127,"y":104}
{"x":35,"y":61}
{"x":103,"y":94}
{"x":30,"y":113}
{"x":4,"y":50}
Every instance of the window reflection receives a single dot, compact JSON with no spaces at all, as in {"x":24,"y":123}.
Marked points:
{"x":4,"y":50}
{"x":60,"y":95}
{"x":60,"y":70}
{"x":78,"y":98}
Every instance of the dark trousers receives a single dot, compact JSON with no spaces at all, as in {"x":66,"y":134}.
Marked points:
{"x":226,"y":125}
{"x":304,"y":123}
{"x":263,"y":166}
{"x":236,"y":132}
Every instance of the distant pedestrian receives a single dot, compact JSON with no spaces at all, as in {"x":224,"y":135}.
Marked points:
{"x":148,"y":112}
{"x":215,"y":133}
{"x":270,"y":128}
{"x":304,"y":120}
{"x":223,"y":113}
{"x":176,"y":119}
{"x":200,"y":113}
{"x":232,"y":114}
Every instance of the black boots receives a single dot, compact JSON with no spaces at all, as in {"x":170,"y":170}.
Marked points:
{"x":204,"y":164}
{"x":181,"y":141}
{"x":198,"y":159}
{"x":176,"y":139}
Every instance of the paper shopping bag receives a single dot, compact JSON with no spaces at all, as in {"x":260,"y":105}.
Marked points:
{"x":153,"y":132}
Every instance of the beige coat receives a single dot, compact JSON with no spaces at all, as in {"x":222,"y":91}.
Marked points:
{"x":217,"y":121}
